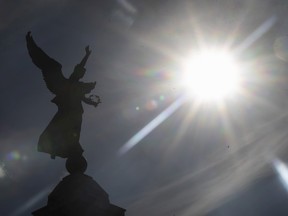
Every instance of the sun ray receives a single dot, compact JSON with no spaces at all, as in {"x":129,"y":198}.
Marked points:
{"x":183,"y":128}
{"x":230,"y":135}
{"x":134,"y":140}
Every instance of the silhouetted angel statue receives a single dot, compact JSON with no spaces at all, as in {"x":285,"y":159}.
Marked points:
{"x":61,"y":136}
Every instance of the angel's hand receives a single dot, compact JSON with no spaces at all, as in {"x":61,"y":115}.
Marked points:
{"x":92,"y":100}
{"x":88,"y":51}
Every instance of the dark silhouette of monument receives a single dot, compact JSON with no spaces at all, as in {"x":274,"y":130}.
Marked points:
{"x":61,"y":137}
{"x":77,"y":194}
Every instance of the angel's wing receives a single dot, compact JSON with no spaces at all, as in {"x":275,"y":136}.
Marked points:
{"x":51,"y":69}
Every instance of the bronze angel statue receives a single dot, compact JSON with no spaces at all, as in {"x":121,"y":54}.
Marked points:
{"x":61,"y":136}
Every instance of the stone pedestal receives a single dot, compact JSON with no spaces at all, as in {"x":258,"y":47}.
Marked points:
{"x":79,"y":195}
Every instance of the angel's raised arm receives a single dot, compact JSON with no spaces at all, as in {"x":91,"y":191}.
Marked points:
{"x":84,"y":60}
{"x":79,"y":69}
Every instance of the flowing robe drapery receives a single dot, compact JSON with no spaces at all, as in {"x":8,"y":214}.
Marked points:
{"x":61,"y":136}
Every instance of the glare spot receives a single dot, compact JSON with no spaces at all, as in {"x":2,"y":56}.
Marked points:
{"x":14,"y":155}
{"x":162,"y":98}
{"x":151,"y":105}
{"x":137,"y":108}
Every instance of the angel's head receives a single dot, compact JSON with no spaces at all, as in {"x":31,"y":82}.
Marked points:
{"x":78,"y":72}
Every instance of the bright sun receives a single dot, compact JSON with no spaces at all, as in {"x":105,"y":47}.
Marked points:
{"x":211,"y":75}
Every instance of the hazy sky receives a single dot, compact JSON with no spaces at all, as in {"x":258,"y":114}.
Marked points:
{"x":184,"y":166}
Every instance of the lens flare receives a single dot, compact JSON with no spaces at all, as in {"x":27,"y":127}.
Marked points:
{"x":14,"y":155}
{"x":282,"y":170}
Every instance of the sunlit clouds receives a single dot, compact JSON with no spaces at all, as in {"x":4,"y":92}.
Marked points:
{"x":125,"y":13}
{"x":209,"y":73}
{"x":225,"y":88}
{"x":281,"y":48}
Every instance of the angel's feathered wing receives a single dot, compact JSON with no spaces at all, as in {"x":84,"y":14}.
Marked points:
{"x":51,"y":69}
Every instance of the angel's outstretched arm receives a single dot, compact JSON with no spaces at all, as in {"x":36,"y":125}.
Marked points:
{"x":84,"y":60}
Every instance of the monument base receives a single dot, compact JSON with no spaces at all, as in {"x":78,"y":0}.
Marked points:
{"x":79,"y":195}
